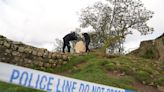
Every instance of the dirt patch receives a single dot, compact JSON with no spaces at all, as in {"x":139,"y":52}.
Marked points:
{"x":144,"y":88}
{"x":81,"y":65}
{"x":138,"y":86}
{"x":116,"y":74}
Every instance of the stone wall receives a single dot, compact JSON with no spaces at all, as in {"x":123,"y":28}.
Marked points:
{"x":24,"y":55}
{"x":152,"y":49}
{"x":159,"y":43}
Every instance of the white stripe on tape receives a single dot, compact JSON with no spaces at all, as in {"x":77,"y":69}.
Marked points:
{"x":49,"y":82}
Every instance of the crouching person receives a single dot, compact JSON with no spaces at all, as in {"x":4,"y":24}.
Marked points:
{"x":66,"y":40}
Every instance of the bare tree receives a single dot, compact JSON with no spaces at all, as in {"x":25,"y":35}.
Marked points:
{"x":58,"y":46}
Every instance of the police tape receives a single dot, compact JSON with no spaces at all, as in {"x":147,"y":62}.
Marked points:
{"x":49,"y":82}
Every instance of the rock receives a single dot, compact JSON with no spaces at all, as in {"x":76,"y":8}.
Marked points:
{"x":14,"y":47}
{"x":154,"y":47}
{"x":54,"y":56}
{"x":80,"y":47}
{"x":40,"y":64}
{"x":3,"y":59}
{"x":151,"y":84}
{"x":6,"y":54}
{"x":17,"y":43}
{"x":7,"y":51}
{"x":58,"y":56}
{"x":47,"y":65}
{"x":16,"y":59}
{"x":1,"y":42}
{"x":51,"y":61}
{"x":45,"y":54}
{"x":26,"y":61}
{"x":34,"y":52}
{"x":60,"y":61}
{"x":28,"y":50}
{"x":36,"y":63}
{"x":40,"y":54}
{"x":15,"y":53}
{"x":65,"y":62}
{"x":24,"y":55}
{"x":65,"y":57}
{"x":29,"y":61}
{"x":54,"y":65}
{"x":21,"y":49}
{"x":40,"y":58}
{"x":50,"y":55}
{"x":42,"y":50}
{"x":6,"y":44}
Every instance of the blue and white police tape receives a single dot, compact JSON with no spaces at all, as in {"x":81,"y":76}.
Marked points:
{"x":49,"y":82}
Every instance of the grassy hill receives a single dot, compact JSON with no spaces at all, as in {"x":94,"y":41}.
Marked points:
{"x":129,"y":72}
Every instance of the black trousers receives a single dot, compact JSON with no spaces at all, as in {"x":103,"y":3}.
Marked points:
{"x":87,"y":46}
{"x":66,"y":44}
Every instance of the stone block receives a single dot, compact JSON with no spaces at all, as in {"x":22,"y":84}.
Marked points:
{"x":40,"y":64}
{"x":21,"y":49}
{"x":54,"y":56}
{"x":6,"y":44}
{"x":54,"y":65}
{"x":65,"y":58}
{"x":34,"y":52}
{"x":14,"y":47}
{"x":45,"y":54}
{"x":64,"y":62}
{"x":51,"y":61}
{"x":40,"y":54}
{"x":15,"y":53}
{"x":28,"y":50}
{"x":8,"y":51}
{"x":50,"y":55}
{"x":58,"y":56}
{"x":1,"y":42}
{"x":47,"y":65}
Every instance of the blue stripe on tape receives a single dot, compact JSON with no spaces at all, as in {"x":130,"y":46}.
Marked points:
{"x":129,"y":91}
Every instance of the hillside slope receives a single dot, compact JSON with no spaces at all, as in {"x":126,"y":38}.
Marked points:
{"x":141,"y":75}
{"x":129,"y":72}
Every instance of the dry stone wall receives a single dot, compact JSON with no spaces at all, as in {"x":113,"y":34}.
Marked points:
{"x":152,"y":49}
{"x":24,"y":55}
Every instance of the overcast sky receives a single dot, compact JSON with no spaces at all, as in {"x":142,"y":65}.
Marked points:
{"x":39,"y":22}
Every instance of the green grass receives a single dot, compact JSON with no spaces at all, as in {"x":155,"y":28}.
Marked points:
{"x":91,"y":68}
{"x":93,"y":72}
{"x":5,"y":87}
